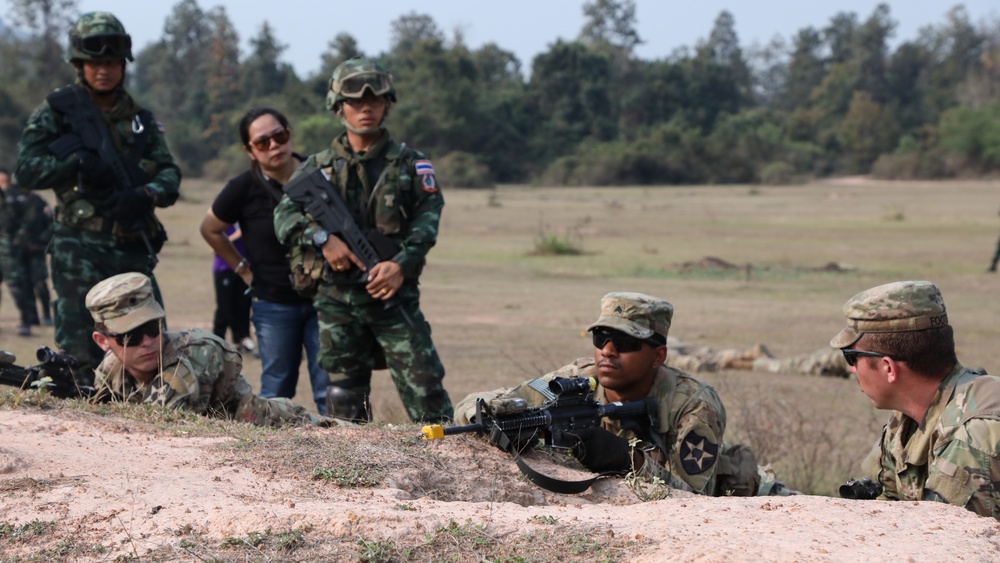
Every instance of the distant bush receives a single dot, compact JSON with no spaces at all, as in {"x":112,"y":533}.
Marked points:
{"x":459,"y":169}
{"x":777,"y":174}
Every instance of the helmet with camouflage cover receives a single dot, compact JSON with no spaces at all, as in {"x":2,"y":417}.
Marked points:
{"x":356,"y":75}
{"x":98,"y":36}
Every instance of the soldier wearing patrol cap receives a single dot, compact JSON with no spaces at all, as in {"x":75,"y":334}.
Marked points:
{"x":629,"y":351}
{"x":394,"y":197}
{"x":192,"y":369}
{"x":942,"y":441}
{"x":105,"y":223}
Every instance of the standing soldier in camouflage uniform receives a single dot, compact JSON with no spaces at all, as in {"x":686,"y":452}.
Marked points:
{"x":29,"y":220}
{"x":942,"y":441}
{"x":103,"y":227}
{"x":192,"y":370}
{"x":391,"y":189}
{"x":630,"y":348}
{"x":13,"y":250}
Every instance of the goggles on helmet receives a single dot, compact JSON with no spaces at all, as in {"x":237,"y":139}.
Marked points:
{"x":354,"y":85}
{"x":108,"y":45}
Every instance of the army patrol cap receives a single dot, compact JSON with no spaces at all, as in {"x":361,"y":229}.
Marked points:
{"x":124,"y":302}
{"x":635,"y":314}
{"x":892,"y":307}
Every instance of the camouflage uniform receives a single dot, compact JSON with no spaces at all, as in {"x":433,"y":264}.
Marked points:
{"x":953,"y":454}
{"x":396,"y":188}
{"x":198,"y":371}
{"x":14,"y":262}
{"x":33,"y":235}
{"x":88,"y":244}
{"x":692,"y":419}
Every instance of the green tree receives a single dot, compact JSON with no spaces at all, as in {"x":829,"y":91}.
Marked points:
{"x":264,"y":73}
{"x":867,"y":131}
{"x":806,"y":69}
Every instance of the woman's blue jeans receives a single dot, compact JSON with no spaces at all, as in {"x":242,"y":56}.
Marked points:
{"x":283,"y":331}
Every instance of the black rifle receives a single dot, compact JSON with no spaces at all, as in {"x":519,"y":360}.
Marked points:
{"x":91,"y":132}
{"x":321,"y":200}
{"x":53,"y":372}
{"x":865,"y":489}
{"x":570,"y":408}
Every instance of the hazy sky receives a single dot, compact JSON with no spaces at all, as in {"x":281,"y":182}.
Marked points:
{"x":525,"y":27}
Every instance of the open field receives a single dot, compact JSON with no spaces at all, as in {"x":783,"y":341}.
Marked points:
{"x":502,"y":314}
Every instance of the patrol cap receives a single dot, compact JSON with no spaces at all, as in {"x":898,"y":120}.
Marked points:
{"x":635,"y":314}
{"x":124,"y":302}
{"x":892,"y":307}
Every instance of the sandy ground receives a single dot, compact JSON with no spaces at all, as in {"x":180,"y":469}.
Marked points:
{"x":128,"y":487}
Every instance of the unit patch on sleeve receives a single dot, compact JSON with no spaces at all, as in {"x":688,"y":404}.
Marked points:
{"x":425,"y":170}
{"x":697,"y":453}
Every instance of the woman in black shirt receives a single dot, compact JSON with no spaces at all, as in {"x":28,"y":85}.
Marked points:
{"x":285,"y":322}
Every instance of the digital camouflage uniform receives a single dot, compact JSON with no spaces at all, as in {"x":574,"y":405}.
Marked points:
{"x":88,"y":245}
{"x":953,"y":454}
{"x":198,"y":371}
{"x":397,"y":189}
{"x":692,"y":418}
{"x":201,"y":373}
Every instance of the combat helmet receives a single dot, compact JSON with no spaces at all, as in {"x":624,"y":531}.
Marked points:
{"x":355,"y":75}
{"x":98,"y":36}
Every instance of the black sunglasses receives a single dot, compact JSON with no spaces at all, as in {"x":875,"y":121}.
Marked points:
{"x":622,"y":342}
{"x":263,"y":142}
{"x":105,"y":45}
{"x":851,"y":355}
{"x":137,"y":334}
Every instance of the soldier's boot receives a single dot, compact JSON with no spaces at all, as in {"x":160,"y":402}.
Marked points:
{"x":348,"y":405}
{"x":23,"y":329}
{"x":33,"y":319}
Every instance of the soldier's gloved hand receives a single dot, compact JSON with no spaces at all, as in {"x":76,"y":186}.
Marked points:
{"x":601,"y":451}
{"x":97,"y":174}
{"x":128,"y":206}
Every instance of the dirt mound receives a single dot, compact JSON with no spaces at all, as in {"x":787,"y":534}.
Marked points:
{"x":82,"y":487}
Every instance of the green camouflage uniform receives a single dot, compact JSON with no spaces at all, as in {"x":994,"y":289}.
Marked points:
{"x":953,"y":455}
{"x":24,"y":235}
{"x":201,"y":373}
{"x":87,"y":244}
{"x":404,"y":203}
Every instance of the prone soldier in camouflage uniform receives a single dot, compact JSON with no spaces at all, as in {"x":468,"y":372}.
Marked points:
{"x":942,"y":441}
{"x":391,"y":190}
{"x":102,"y":226}
{"x":193,"y":369}
{"x":629,"y":352}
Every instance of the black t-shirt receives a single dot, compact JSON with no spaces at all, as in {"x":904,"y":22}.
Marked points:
{"x":245,"y":201}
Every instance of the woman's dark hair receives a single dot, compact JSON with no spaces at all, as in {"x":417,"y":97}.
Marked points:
{"x":252,"y":115}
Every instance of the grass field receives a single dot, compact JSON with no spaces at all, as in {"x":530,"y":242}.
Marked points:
{"x":502,"y":313}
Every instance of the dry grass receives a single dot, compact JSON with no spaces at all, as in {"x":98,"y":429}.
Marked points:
{"x":502,"y":314}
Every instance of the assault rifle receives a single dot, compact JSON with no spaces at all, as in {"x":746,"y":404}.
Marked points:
{"x":53,"y":372}
{"x":321,"y":200}
{"x":865,"y":489}
{"x":90,"y":132}
{"x":570,"y":407}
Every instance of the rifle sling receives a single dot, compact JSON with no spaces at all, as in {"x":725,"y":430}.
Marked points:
{"x":551,"y":483}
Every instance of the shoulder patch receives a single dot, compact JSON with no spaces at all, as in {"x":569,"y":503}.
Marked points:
{"x":697,"y":454}
{"x":429,"y":183}
{"x":159,"y":126}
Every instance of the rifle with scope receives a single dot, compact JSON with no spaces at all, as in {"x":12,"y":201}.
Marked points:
{"x":54,"y":372}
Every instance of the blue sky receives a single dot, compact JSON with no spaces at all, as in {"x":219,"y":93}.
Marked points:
{"x":522,"y":26}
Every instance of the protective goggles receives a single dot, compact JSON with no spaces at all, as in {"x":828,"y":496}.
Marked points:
{"x":622,"y":342}
{"x":109,"y":45}
{"x":354,"y":85}
{"x":263,"y":142}
{"x":137,"y":334}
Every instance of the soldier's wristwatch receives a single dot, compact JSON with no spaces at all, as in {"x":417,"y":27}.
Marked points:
{"x":320,"y":237}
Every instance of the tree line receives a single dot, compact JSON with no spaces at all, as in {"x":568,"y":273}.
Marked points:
{"x":828,"y":100}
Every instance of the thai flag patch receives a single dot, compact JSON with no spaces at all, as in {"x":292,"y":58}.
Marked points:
{"x":159,"y":126}
{"x":423,"y":167}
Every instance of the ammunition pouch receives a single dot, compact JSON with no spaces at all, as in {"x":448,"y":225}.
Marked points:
{"x":308,"y":268}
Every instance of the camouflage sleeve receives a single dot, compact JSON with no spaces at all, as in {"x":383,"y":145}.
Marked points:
{"x":37,"y":168}
{"x":700,"y":427}
{"x":466,"y":408}
{"x":197,"y":373}
{"x":291,"y":224}
{"x":966,"y":470}
{"x":425,"y":215}
{"x":880,"y":466}
{"x":166,"y":175}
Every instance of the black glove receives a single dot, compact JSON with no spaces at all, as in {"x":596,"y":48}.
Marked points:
{"x":96,"y":174}
{"x":129,"y":206}
{"x":601,"y":451}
